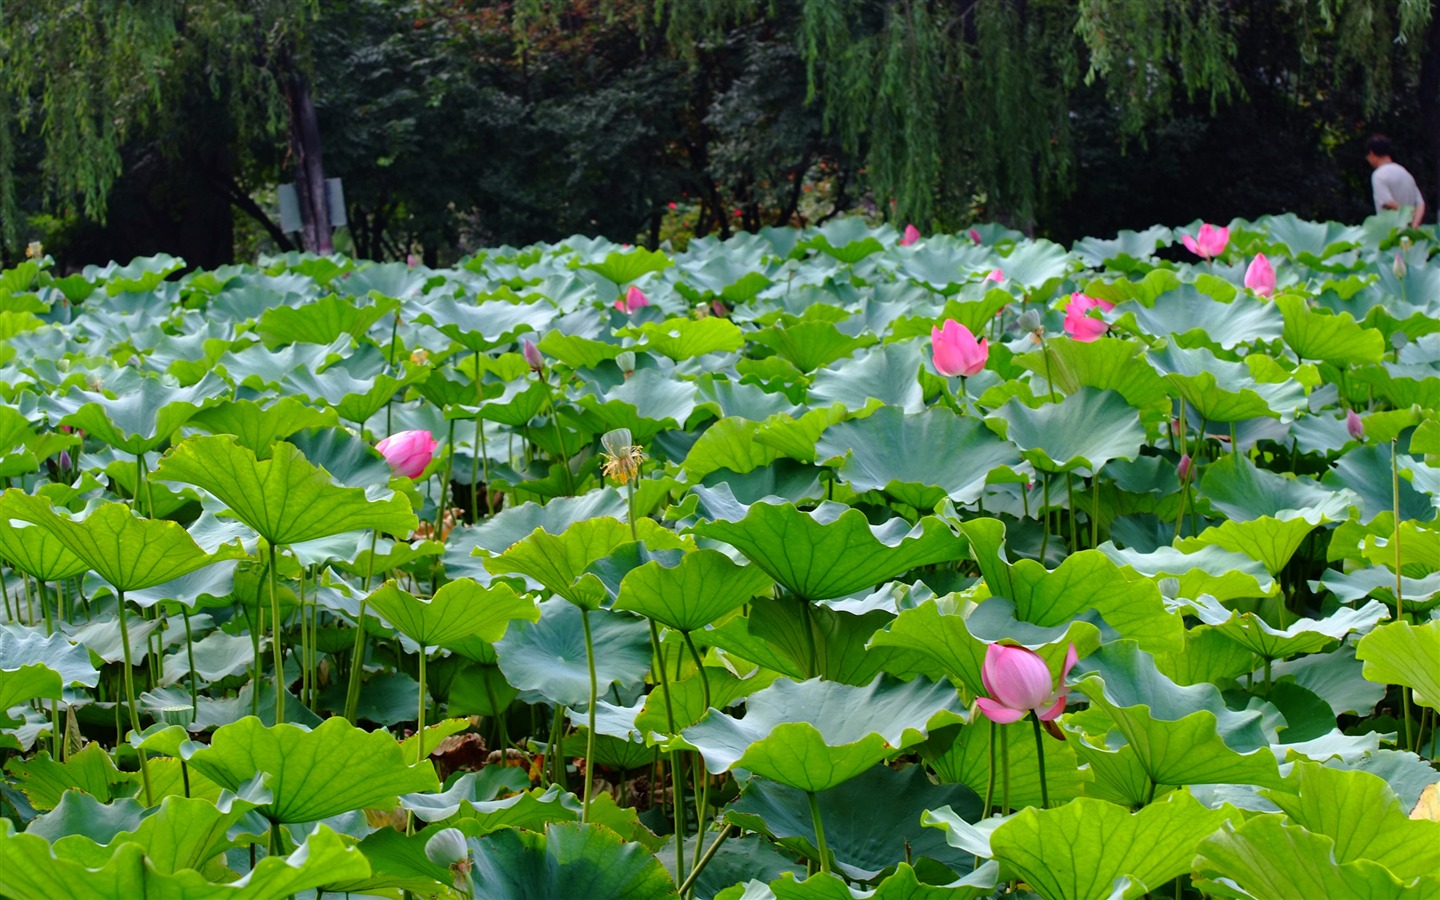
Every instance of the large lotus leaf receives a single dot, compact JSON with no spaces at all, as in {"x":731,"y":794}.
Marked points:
{"x":559,"y":562}
{"x":732,"y":277}
{"x":354,"y":398}
{"x":1187,"y":313}
{"x":803,"y":639}
{"x":461,"y":610}
{"x":1304,"y":635}
{"x":1181,"y":735}
{"x":568,"y":860}
{"x":485,"y":325}
{"x":87,"y":822}
{"x":259,"y":427}
{"x":1083,"y":431}
{"x":919,"y":458}
{"x":795,"y":437}
{"x":37,"y":552}
{"x":1407,"y":655}
{"x":217,"y":655}
{"x":1124,"y":250}
{"x":811,"y":345}
{"x":1269,"y":857}
{"x":647,"y":402}
{"x":738,"y":860}
{"x":1209,"y":657}
{"x":34,"y":666}
{"x":1085,"y":581}
{"x":1224,"y":391}
{"x":1269,"y":541}
{"x":516,"y":405}
{"x":1207,"y":570}
{"x":1086,"y":847}
{"x":549,"y":656}
{"x":957,"y":638}
{"x":830,"y":552}
{"x":398,"y":862}
{"x":1118,"y":366}
{"x":285,"y":499}
{"x":1351,"y":587}
{"x":701,"y":588}
{"x":1243,"y":491}
{"x":862,"y":845}
{"x":312,"y":774}
{"x":1307,"y":242}
{"x":964,"y":758}
{"x":182,"y":834}
{"x":814,"y":735}
{"x":846,"y":238}
{"x":473,"y":798}
{"x":45,"y":781}
{"x":259,"y":368}
{"x":514,"y":523}
{"x":1037,"y":265}
{"x":684,"y":701}
{"x":31,"y":870}
{"x":626,"y":266}
{"x":1322,"y":336}
{"x":321,"y":321}
{"x":728,"y":444}
{"x":903,"y":884}
{"x":1366,"y":474}
{"x":687,"y":338}
{"x":887,"y":374}
{"x":141,"y":419}
{"x":127,"y":551}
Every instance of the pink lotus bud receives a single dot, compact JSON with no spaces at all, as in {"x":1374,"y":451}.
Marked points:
{"x":1175,"y":425}
{"x":411,"y":259}
{"x":533,"y":356}
{"x":1019,"y":682}
{"x":719,"y":308}
{"x":1260,"y":276}
{"x":974,"y":236}
{"x":1355,"y":425}
{"x":956,"y":351}
{"x":408,"y":452}
{"x":1209,"y":243}
{"x":1183,"y":470}
{"x":634,"y":299}
{"x":1399,"y":267}
{"x":911,"y":235}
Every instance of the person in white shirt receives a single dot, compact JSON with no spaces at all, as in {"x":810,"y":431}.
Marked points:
{"x":1394,"y":187}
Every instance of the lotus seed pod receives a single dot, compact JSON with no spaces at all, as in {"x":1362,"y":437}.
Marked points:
{"x":1029,"y":320}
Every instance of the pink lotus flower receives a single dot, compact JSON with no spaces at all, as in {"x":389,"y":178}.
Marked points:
{"x":1210,"y":243}
{"x":1260,"y":276}
{"x":974,"y":236}
{"x":911,"y":235}
{"x":956,"y":350}
{"x":1019,"y":682}
{"x":634,"y":299}
{"x":1354,"y":425}
{"x":996,"y":275}
{"x":532,"y":356}
{"x":1183,"y":470}
{"x":1079,"y":324}
{"x":408,"y":452}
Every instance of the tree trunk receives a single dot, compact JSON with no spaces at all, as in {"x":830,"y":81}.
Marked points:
{"x":309,"y":166}
{"x":1430,"y":101}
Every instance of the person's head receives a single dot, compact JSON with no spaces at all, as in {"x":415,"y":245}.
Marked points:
{"x":1377,"y":150}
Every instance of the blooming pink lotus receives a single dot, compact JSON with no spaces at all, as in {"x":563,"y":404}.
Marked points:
{"x":957,"y":352}
{"x":996,"y":275}
{"x":1260,"y":276}
{"x":1078,"y":322}
{"x":1209,"y":243}
{"x":633,"y":300}
{"x":911,"y":235}
{"x":408,"y":452}
{"x":1019,"y":682}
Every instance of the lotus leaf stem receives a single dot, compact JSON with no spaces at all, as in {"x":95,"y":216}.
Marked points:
{"x":1411,"y":743}
{"x":1005,"y":771}
{"x":275,"y":627}
{"x":420,"y":753}
{"x":990,"y":778}
{"x":675,"y":755}
{"x":190,"y":657}
{"x":689,"y":882}
{"x":590,"y":722}
{"x":129,"y":682}
{"x":820,"y":844}
{"x":445,"y":484}
{"x":357,"y":653}
{"x":702,"y":794}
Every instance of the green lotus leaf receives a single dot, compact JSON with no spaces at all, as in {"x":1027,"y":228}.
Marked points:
{"x":731,"y":277}
{"x":687,"y":338}
{"x":182,"y":834}
{"x":1419,"y":549}
{"x":1124,"y":250}
{"x":473,"y":797}
{"x":1209,"y":657}
{"x":903,"y":884}
{"x":1407,"y":655}
{"x":1106,"y":845}
{"x":37,"y":552}
{"x":1086,"y":580}
{"x":647,"y":402}
{"x":45,"y":781}
{"x":863,"y":846}
{"x":1270,"y":857}
{"x":701,"y":588}
{"x":830,"y":552}
{"x":1118,"y":366}
{"x":549,"y":656}
{"x":516,"y":405}
{"x":372,"y":775}
{"x":1223,"y":391}
{"x":795,"y":437}
{"x":1237,"y":487}
{"x":515,"y":523}
{"x":321,"y":321}
{"x":1364,"y":473}
{"x":30,"y":869}
{"x":1180,"y":735}
{"x":1039,"y":265}
{"x":919,"y":459}
{"x":1269,"y":541}
{"x":1323,"y":336}
{"x":559,"y":562}
{"x":1203,"y":570}
{"x":739,"y":859}
{"x":568,"y":860}
{"x":460,"y":611}
{"x":144,"y":273}
{"x":127,"y":551}
{"x":685,"y":699}
{"x":883,"y":375}
{"x":626,"y":266}
{"x":1195,"y":319}
{"x":1304,"y":635}
{"x":487,"y":324}
{"x":846,"y":238}
{"x":957,"y":637}
{"x":355,"y":398}
{"x":259,"y":427}
{"x":728,"y":444}
{"x":88,"y":823}
{"x":1351,"y":587}
{"x":141,"y":419}
{"x":217,"y":655}
{"x":34,"y":666}
{"x":962,"y":756}
{"x":814,"y":735}
{"x":811,"y":345}
{"x":1308,"y":242}
{"x":398,"y":861}
{"x":285,"y":499}
{"x":1083,"y":431}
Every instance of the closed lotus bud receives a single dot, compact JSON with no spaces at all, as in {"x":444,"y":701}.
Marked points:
{"x":1399,"y":267}
{"x":1030,"y":320}
{"x":446,"y":847}
{"x":1183,"y":470}
{"x":1354,"y":425}
{"x":533,"y":356}
{"x":625,"y":359}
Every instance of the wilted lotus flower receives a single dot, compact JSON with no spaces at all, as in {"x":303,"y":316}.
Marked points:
{"x":956,"y":351}
{"x":1260,"y":276}
{"x":634,"y":299}
{"x":1209,"y":243}
{"x":911,"y":235}
{"x":1019,"y":682}
{"x":622,"y":458}
{"x":1399,"y":267}
{"x":408,"y":452}
{"x":1355,"y":425}
{"x":533,"y":356}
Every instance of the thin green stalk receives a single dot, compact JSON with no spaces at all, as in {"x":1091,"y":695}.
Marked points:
{"x":276,"y":632}
{"x":675,"y":780}
{"x":814,"y":669}
{"x":1095,"y":510}
{"x":1234,"y":441}
{"x":190,"y":658}
{"x":1004,"y":771}
{"x":590,"y":722}
{"x":557,"y":760}
{"x":1044,"y":515}
{"x":129,"y":681}
{"x":702,"y":796}
{"x":10,"y":614}
{"x":560,"y":454}
{"x":1040,"y":753}
{"x":1070,"y":499}
{"x":357,"y":653}
{"x":394,"y":342}
{"x":689,"y":882}
{"x":445,"y":485}
{"x":819,"y":832}
{"x":1410,"y":742}
{"x":990,"y":779}
{"x":420,"y":718}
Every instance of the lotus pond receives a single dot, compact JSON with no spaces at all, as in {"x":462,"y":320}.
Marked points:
{"x":816,"y":564}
